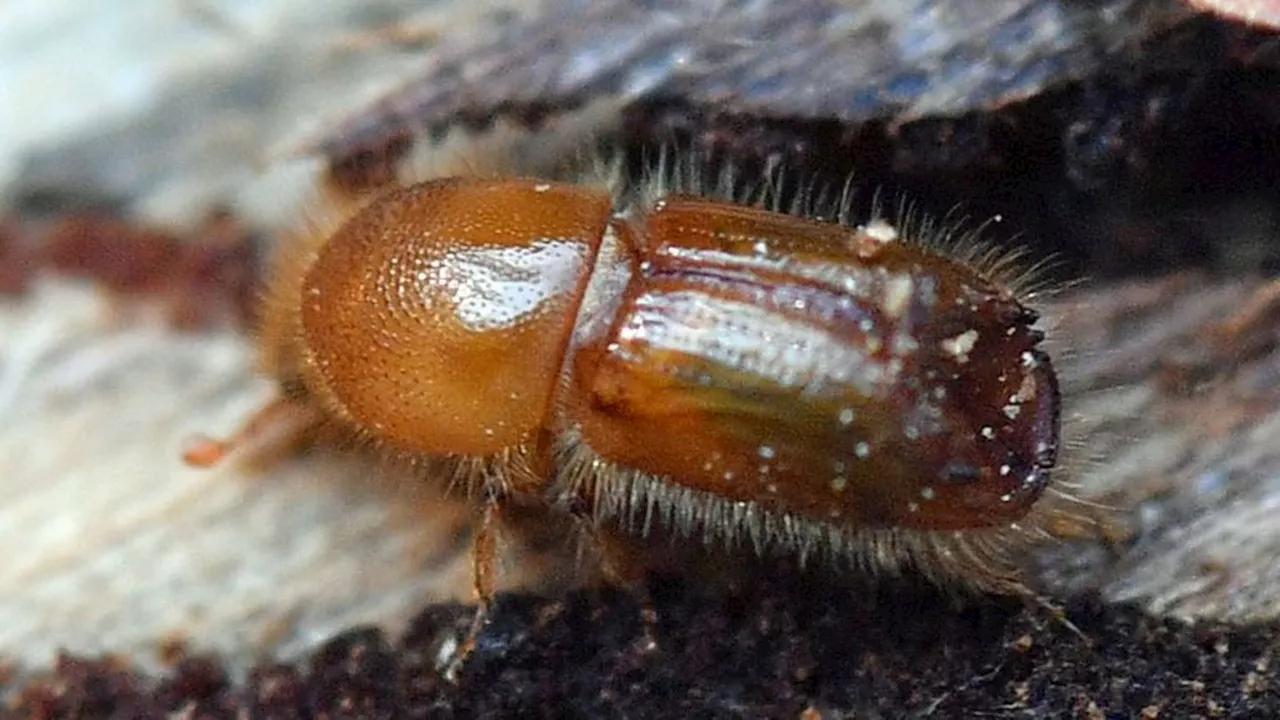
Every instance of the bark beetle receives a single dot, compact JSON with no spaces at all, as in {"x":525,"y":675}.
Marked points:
{"x":1172,"y":382}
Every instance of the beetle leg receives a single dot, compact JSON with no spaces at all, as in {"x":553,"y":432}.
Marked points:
{"x":275,"y":430}
{"x":483,"y":578}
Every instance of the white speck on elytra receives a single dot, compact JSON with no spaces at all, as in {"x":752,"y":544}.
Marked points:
{"x":960,"y":345}
{"x":897,"y":294}
{"x":881,"y":231}
{"x":1027,"y":390}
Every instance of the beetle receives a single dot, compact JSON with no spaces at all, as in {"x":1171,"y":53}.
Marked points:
{"x":678,"y":354}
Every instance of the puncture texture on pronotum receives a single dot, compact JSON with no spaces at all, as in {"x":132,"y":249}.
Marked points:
{"x":688,"y":352}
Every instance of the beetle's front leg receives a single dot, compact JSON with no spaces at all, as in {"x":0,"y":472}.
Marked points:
{"x":484,"y":560}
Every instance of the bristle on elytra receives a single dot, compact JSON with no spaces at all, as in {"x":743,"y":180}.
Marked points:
{"x":673,"y":170}
{"x":984,"y":559}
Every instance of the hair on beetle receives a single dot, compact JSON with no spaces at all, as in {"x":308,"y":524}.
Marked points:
{"x":983,"y":559}
{"x":691,"y":349}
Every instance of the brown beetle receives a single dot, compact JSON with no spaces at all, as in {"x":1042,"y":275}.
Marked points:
{"x":680,"y":356}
